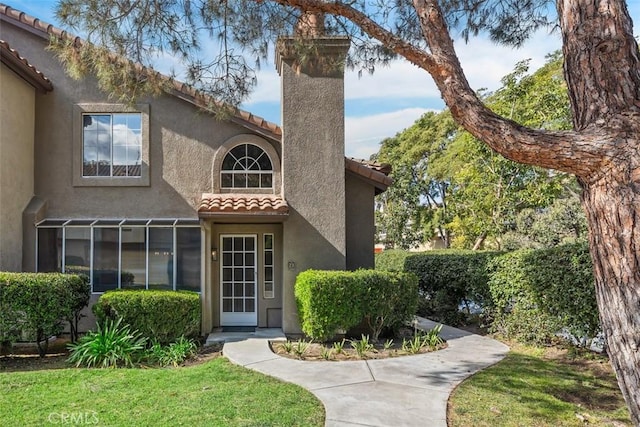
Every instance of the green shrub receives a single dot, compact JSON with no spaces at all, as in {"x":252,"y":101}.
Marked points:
{"x":160,"y":315}
{"x":448,"y":280}
{"x":173,"y":354}
{"x":332,"y":300}
{"x":37,"y":303}
{"x":392,"y":259}
{"x":327,"y":301}
{"x":536,"y":293}
{"x":389,"y":299}
{"x":111,"y":345}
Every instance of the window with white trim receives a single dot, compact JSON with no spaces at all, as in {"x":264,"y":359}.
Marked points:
{"x":123,"y":253}
{"x":246,"y":166}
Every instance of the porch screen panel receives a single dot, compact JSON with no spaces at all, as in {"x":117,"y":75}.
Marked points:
{"x":49,"y":250}
{"x":188,"y":259}
{"x":77,"y":250}
{"x":134,"y":258}
{"x":106,"y":247}
{"x":160,"y":258}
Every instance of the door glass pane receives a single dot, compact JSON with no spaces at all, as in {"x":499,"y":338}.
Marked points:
{"x":160,"y":258}
{"x":226,"y":305}
{"x":238,"y":306}
{"x":249,"y":306}
{"x":134,"y":258}
{"x":249,"y":290}
{"x":49,"y":250}
{"x":237,"y":259}
{"x":249,"y":244}
{"x":238,"y":244}
{"x":227,"y":290}
{"x":188,"y":259}
{"x":105,"y":259}
{"x":226,"y":259}
{"x":226,"y":274}
{"x":249,"y":259}
{"x":237,"y":290}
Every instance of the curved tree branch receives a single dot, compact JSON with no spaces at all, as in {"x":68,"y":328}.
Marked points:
{"x":561,"y":150}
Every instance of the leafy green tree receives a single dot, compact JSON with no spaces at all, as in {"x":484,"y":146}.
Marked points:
{"x":601,"y":68}
{"x":414,"y":209}
{"x":448,"y":183}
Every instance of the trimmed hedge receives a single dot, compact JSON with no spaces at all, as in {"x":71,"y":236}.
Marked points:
{"x":448,"y":280}
{"x":39,"y":302}
{"x":332,"y":300}
{"x":392,"y":259}
{"x":160,"y":315}
{"x":536,"y":293}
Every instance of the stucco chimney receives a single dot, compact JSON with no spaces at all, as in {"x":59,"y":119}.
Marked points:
{"x":311,"y":68}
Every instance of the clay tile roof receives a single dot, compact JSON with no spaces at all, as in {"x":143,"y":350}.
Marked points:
{"x":253,"y":204}
{"x":376,"y":173}
{"x":181,"y":90}
{"x":12,"y":59}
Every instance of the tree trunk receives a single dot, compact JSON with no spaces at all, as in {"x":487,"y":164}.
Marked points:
{"x":602,"y":70}
{"x":479,"y":241}
{"x":613,"y":213}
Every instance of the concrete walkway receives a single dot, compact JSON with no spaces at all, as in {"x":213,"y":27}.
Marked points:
{"x":402,"y":391}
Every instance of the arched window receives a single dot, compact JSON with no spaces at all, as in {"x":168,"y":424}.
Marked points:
{"x":246,"y":166}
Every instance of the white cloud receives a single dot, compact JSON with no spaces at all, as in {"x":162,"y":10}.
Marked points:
{"x":363,"y":134}
{"x":483,"y":61}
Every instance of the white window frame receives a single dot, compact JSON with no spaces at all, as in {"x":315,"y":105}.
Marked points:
{"x":120,"y":224}
{"x":247,"y":172}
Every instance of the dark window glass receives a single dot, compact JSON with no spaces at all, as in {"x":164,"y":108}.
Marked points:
{"x":249,"y":241}
{"x":77,"y":258}
{"x":49,"y":250}
{"x":246,"y":166}
{"x":134,"y":258}
{"x":105,"y":259}
{"x":188,"y":259}
{"x":160,"y":258}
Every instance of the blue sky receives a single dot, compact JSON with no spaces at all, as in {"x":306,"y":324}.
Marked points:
{"x":385,"y":103}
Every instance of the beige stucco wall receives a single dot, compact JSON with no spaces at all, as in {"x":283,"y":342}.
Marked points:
{"x":313,"y":170}
{"x":360,"y":223}
{"x":182,"y":145}
{"x":183,"y":142}
{"x":17,"y":115}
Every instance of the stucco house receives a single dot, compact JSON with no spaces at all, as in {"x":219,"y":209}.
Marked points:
{"x":163,"y":196}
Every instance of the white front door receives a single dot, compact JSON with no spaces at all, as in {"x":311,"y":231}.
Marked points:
{"x":238,"y":280}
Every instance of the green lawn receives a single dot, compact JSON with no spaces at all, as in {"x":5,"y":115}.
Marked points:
{"x":215,"y":393}
{"x":540,"y":387}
